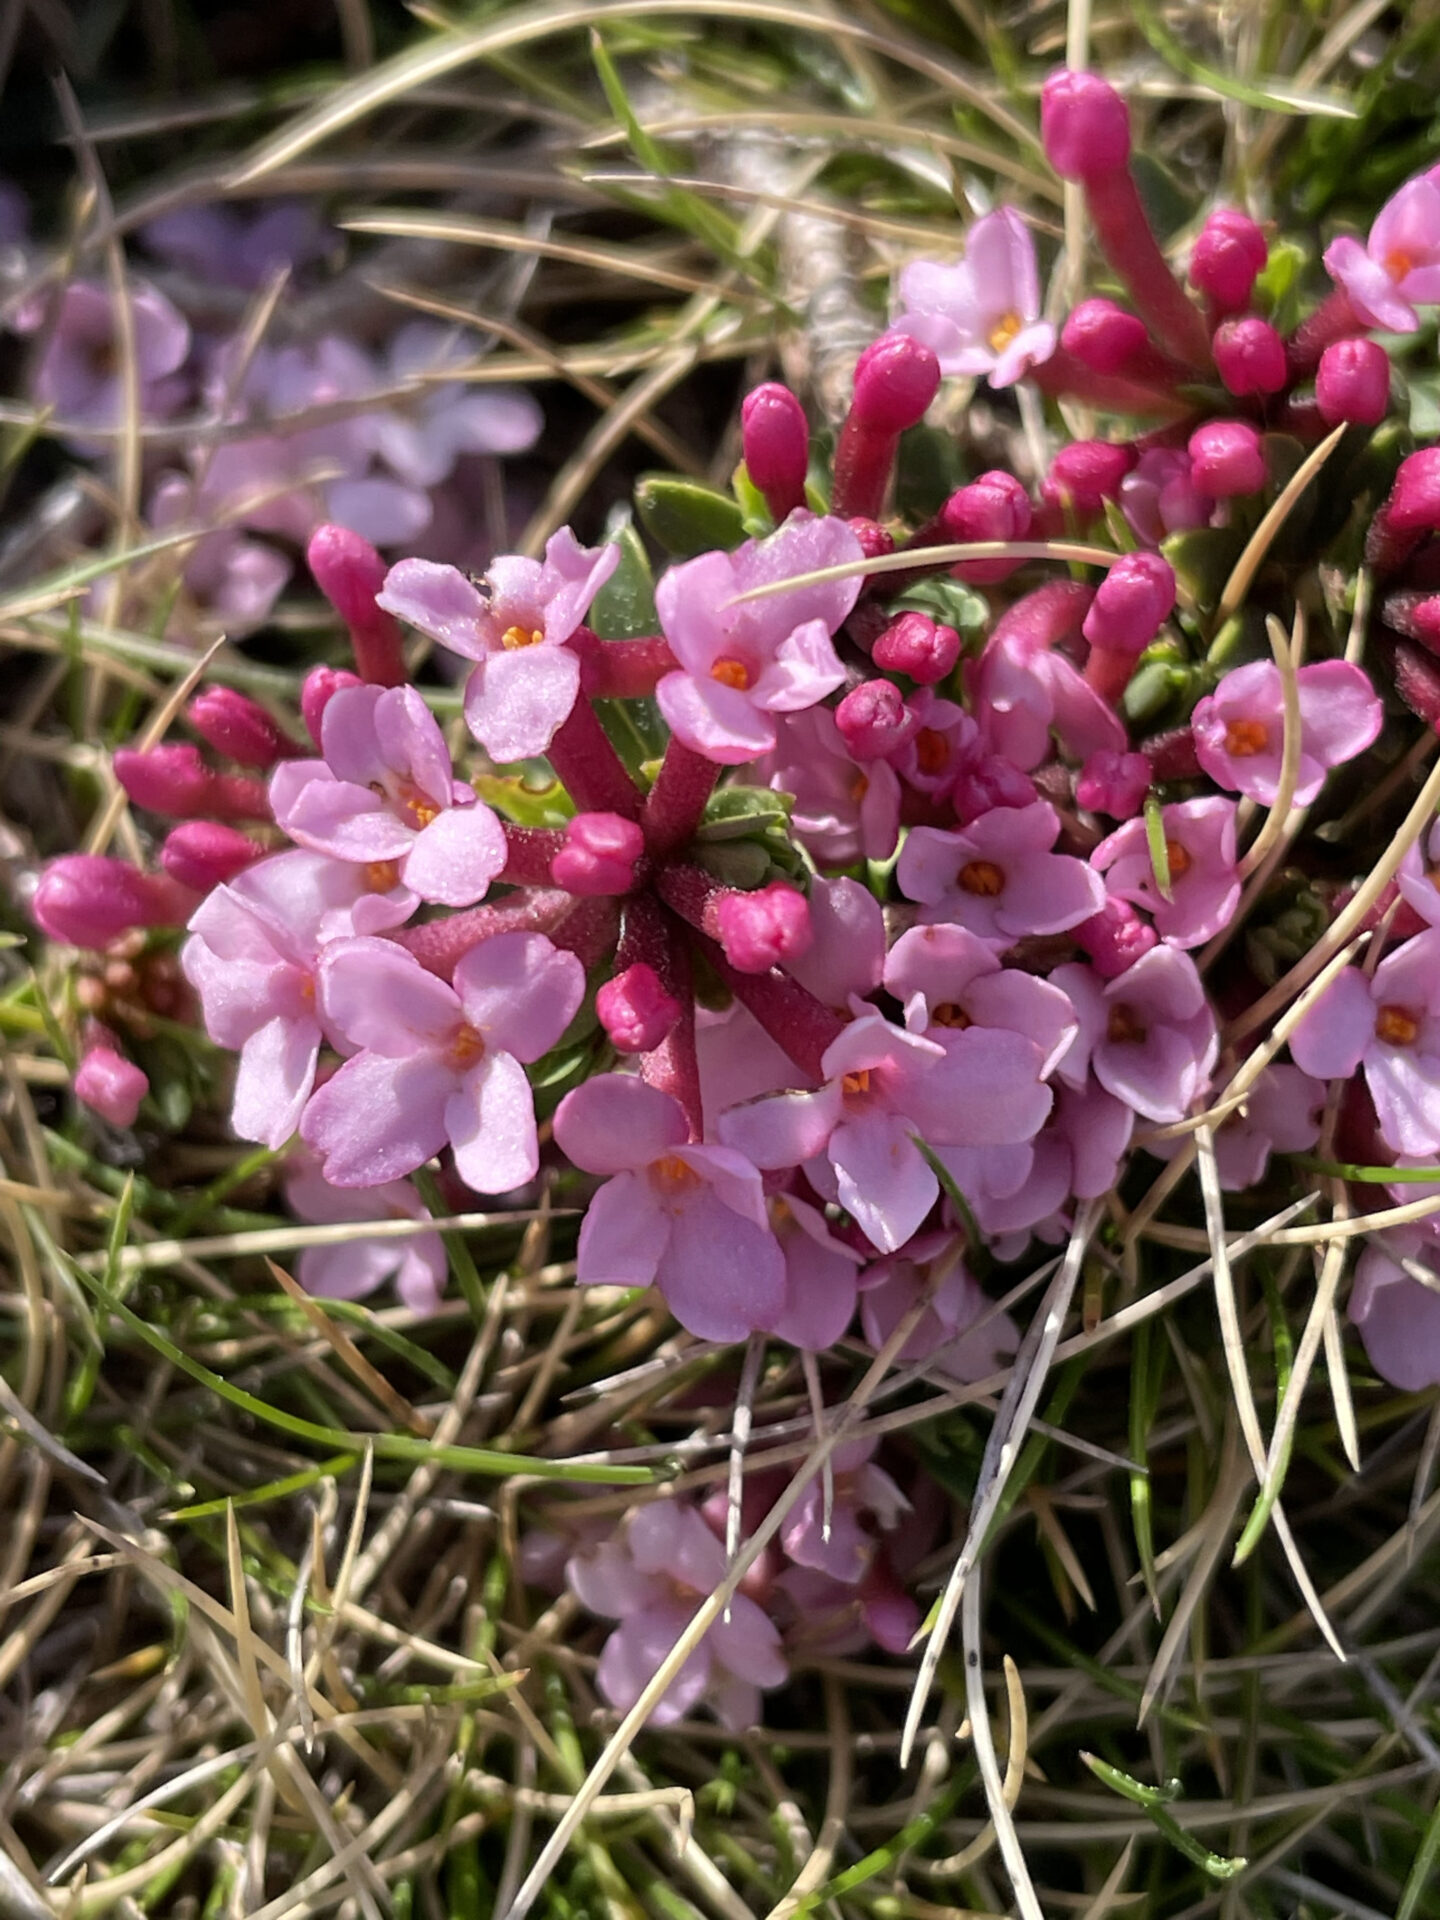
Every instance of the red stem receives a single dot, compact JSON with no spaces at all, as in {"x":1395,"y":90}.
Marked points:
{"x":676,"y":804}
{"x":622,"y":669}
{"x":589,"y":768}
{"x":1131,"y":248}
{"x":439,"y":944}
{"x":1334,"y":319}
{"x":795,"y":1020}
{"x":864,"y":461}
{"x":652,"y":936}
{"x":528,"y":853}
{"x":1063,"y":376}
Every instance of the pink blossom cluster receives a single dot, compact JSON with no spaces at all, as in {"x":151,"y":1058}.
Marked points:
{"x":257,"y":444}
{"x":914,"y":928}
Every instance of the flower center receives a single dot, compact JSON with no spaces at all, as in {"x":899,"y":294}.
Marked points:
{"x":465,"y":1048}
{"x":1398,"y":264}
{"x":1125,"y":1027}
{"x":672,"y":1174}
{"x":731,"y":672}
{"x":857,"y":1082}
{"x":859,"y":786}
{"x":1178,"y":859}
{"x":950,"y":1014}
{"x":1246,"y":737}
{"x":1397,"y":1027}
{"x":982,"y":877}
{"x":932,"y":750}
{"x":382,"y":875}
{"x":513,"y":638}
{"x":1004,"y":331}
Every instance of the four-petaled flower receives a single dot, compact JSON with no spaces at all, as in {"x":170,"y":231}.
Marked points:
{"x":983,"y":315}
{"x":1240,"y":728}
{"x":998,"y":877}
{"x":1390,"y":1027}
{"x":1398,"y":268}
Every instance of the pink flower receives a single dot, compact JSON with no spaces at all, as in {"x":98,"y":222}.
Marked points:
{"x":1021,"y":689}
{"x":251,"y":957}
{"x":856,"y":1136}
{"x":1149,"y":1035}
{"x":997,"y":876}
{"x":1005,"y":1030}
{"x":1204,"y":879}
{"x":1398,"y":1316}
{"x":847,"y":951}
{"x":653,"y":1583}
{"x":819,"y":1276}
{"x":352,"y":1268}
{"x":515,"y":627}
{"x":1012,"y":1190}
{"x":1419,"y":878}
{"x":1398,"y":268}
{"x":233,"y":579}
{"x":743,"y":662}
{"x":385,"y":793}
{"x":839,"y":1542}
{"x":982,"y":316}
{"x":1390,"y":1027}
{"x":955,"y":1301}
{"x":688,"y":1219}
{"x":113,"y":1087}
{"x":1240,"y":728}
{"x":79,"y":370}
{"x":1159,"y":495}
{"x":1281,"y":1115}
{"x":438,"y":1064}
{"x":843,"y":812}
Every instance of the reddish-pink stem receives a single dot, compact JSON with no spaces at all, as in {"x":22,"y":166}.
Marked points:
{"x":864,"y":461}
{"x":622,"y":669}
{"x":589,"y":768}
{"x":795,"y":1020}
{"x":653,"y":937}
{"x":439,"y":944}
{"x":1065,"y":377}
{"x":528,"y":853}
{"x":1128,"y":244}
{"x":676,"y":804}
{"x":1334,"y":319}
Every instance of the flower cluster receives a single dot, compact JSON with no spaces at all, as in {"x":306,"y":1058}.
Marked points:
{"x":879,"y":903}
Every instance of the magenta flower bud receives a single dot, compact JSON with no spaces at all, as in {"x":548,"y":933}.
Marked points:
{"x":350,"y":573}
{"x":1230,"y":252}
{"x":1352,"y":383}
{"x":918,"y":646}
{"x":174,"y":780}
{"x":896,"y":378}
{"x":1226,"y":459}
{"x":240,"y":728}
{"x":761,"y":930}
{"x":775,"y":438}
{"x":109,"y":1084}
{"x":1414,"y":503}
{"x":993,"y":507}
{"x":1131,"y":604}
{"x":1085,"y":474}
{"x":1113,"y":783}
{"x":1084,"y":124}
{"x":1250,"y":356}
{"x":1115,"y":938}
{"x":874,"y":720}
{"x":599,"y":854}
{"x":635,"y":1010}
{"x":1104,"y":337}
{"x":315,"y":692}
{"x":201,"y":854}
{"x":88,"y":900}
{"x":875,"y":541}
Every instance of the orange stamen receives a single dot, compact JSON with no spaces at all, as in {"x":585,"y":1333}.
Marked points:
{"x":1397,"y":1027}
{"x":1246,"y":737}
{"x":731,"y":672}
{"x":982,"y":877}
{"x":514,"y":638}
{"x":1125,"y":1025}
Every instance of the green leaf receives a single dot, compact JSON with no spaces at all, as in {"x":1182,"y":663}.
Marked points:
{"x":527,"y":805}
{"x":624,"y":608}
{"x":732,"y":813}
{"x":1155,"y":1800}
{"x":1203,"y":560}
{"x":950,"y":602}
{"x":686,"y":518}
{"x":1156,"y":844}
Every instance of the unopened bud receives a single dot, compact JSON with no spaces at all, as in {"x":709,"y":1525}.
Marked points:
{"x":315,"y":692}
{"x":1250,"y":356}
{"x":993,"y":507}
{"x":1131,"y":604}
{"x":874,"y":720}
{"x":1414,"y":503}
{"x":109,"y":1084}
{"x":1084,"y":124}
{"x":1115,"y":938}
{"x":1352,"y":384}
{"x":1113,"y":783}
{"x":599,"y":855}
{"x":918,"y":646}
{"x":175,"y":781}
{"x":875,"y":541}
{"x":635,"y":1010}
{"x":775,"y":439}
{"x":896,"y":378}
{"x":240,"y":728}
{"x":760,"y":930}
{"x":1087,"y":473}
{"x":89,"y":899}
{"x":1229,"y":254}
{"x":1104,"y":337}
{"x":1227,"y":459}
{"x":349,"y":572}
{"x":202,"y":854}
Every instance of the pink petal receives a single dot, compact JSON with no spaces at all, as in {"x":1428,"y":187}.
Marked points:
{"x":633,"y":1654}
{"x":748,"y":1645}
{"x":883,"y":1181}
{"x":274,"y":1078}
{"x":409,"y":737}
{"x":606,"y":1580}
{"x":439,"y":602}
{"x":720,"y":722}
{"x":1333,"y":1035}
{"x":349,"y":739}
{"x":380,"y":997}
{"x":520,"y":992}
{"x":454,"y":859}
{"x":378,"y":1118}
{"x":723,"y":1277}
{"x":615,"y":1122}
{"x":515,"y":702}
{"x":784,"y":1129}
{"x":622,"y":1236}
{"x":490,"y":1122}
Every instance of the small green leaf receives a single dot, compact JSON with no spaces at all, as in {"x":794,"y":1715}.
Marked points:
{"x":733,"y":813}
{"x":686,"y":518}
{"x":1203,"y":560}
{"x":528,"y":806}
{"x":1155,"y":1800}
{"x":1158,"y":848}
{"x":949,"y":601}
{"x":624,"y":608}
